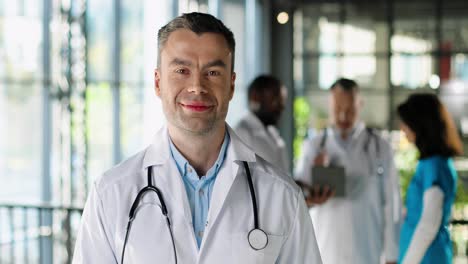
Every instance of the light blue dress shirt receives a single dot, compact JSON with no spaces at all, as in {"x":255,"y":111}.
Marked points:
{"x":198,"y":188}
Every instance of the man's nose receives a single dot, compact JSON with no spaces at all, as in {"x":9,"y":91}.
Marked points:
{"x":196,"y":84}
{"x":342,"y":116}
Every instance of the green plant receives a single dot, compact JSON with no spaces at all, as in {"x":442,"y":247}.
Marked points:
{"x":301,"y":123}
{"x":406,"y":158}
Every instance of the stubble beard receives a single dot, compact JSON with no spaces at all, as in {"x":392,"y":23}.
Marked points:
{"x":197,"y":126}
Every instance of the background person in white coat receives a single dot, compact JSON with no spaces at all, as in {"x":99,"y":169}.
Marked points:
{"x":203,"y":211}
{"x":363,"y":226}
{"x":266,"y":96}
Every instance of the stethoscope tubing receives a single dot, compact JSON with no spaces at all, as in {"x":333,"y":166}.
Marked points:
{"x":151,"y":188}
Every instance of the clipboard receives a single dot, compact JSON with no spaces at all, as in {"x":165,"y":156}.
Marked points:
{"x":334,"y":177}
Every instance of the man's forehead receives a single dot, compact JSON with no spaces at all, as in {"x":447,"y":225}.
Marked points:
{"x":185,"y":36}
{"x":184,"y":42}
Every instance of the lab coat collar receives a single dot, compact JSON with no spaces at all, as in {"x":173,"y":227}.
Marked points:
{"x":158,"y":152}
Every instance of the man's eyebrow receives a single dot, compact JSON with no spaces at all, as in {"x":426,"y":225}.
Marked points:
{"x":215,"y":63}
{"x":178,"y":61}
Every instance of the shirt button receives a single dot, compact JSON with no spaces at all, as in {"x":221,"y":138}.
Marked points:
{"x":201,"y":192}
{"x":200,"y":233}
{"x":190,"y":170}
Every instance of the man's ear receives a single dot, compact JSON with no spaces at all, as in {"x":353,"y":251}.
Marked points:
{"x":360,"y":101}
{"x":157,"y":82}
{"x":232,"y":85}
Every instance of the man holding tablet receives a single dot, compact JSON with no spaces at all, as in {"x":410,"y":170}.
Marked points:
{"x":355,"y":199}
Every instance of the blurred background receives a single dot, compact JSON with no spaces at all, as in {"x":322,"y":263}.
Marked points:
{"x":76,"y":90}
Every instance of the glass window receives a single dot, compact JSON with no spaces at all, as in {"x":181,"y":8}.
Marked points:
{"x":321,"y":28}
{"x":21,"y":40}
{"x":454,"y":32}
{"x":233,"y":15}
{"x":415,"y":27}
{"x":456,"y":65}
{"x":141,"y":113}
{"x":99,"y":125}
{"x":20,"y":142}
{"x":100,"y":38}
{"x":366,"y":28}
{"x":413,"y":71}
{"x":132,"y":41}
{"x":320,"y":72}
{"x":132,"y":100}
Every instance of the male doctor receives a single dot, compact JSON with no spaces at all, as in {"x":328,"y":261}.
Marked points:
{"x":205,"y":197}
{"x":266,"y":98}
{"x":363,"y":226}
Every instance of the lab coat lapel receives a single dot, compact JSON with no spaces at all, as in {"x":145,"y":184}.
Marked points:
{"x":232,"y":167}
{"x":166,"y":175}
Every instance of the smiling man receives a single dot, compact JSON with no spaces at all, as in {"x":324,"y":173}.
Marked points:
{"x":197,"y":194}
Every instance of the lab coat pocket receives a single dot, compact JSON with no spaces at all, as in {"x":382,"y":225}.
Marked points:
{"x":243,"y":253}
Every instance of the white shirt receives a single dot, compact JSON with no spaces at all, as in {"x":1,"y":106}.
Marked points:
{"x":265,"y":141}
{"x":282,"y":213}
{"x":364,"y":226}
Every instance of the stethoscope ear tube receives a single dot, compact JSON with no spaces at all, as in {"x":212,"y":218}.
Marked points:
{"x":149,"y":188}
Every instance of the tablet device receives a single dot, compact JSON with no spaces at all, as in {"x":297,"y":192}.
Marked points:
{"x":334,"y":177}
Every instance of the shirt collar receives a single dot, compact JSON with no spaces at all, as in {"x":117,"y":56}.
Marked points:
{"x":158,"y":153}
{"x":182,"y":162}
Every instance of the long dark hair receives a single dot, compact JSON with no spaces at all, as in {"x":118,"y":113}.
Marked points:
{"x":435,"y":130}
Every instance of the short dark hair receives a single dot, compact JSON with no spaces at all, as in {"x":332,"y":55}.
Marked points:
{"x":435,"y":130}
{"x":347,"y":85}
{"x":264,"y":83}
{"x":198,"y":23}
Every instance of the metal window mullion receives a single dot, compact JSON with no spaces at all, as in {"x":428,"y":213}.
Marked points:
{"x":251,"y":37}
{"x":439,"y":54}
{"x":116,"y":83}
{"x":175,"y":8}
{"x":25,"y":235}
{"x":215,"y":9}
{"x":11,"y":221}
{"x":46,"y":250}
{"x":391,"y":32}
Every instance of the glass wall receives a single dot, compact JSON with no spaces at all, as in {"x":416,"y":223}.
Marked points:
{"x":21,"y":86}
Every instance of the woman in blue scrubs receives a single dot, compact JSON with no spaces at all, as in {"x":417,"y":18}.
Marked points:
{"x":425,"y":237}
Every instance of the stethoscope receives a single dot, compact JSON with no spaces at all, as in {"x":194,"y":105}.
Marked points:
{"x":256,"y":237}
{"x":371,"y":136}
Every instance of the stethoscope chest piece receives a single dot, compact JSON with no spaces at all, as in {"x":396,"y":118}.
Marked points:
{"x":380,"y":170}
{"x":258,"y":239}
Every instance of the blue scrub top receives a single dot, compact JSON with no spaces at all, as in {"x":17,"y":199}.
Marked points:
{"x":433,"y":171}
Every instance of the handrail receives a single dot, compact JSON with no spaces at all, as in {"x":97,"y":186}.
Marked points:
{"x":43,"y":206}
{"x":52,"y":228}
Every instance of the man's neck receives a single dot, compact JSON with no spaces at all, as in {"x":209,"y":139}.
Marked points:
{"x":200,"y":150}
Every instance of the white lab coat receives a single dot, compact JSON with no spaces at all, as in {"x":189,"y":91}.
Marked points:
{"x":363,"y":227}
{"x":265,"y":141}
{"x":282,"y":214}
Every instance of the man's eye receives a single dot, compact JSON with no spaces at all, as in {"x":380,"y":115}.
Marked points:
{"x":213,"y":73}
{"x":182,"y":71}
